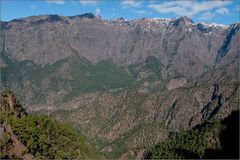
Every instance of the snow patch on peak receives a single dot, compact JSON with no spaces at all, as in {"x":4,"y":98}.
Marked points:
{"x":214,"y":25}
{"x":159,"y":19}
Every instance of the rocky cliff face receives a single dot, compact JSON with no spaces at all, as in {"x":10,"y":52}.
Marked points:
{"x":11,"y":146}
{"x":10,"y":106}
{"x":179,"y":42}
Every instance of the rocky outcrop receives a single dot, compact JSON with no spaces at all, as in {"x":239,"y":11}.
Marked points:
{"x":176,"y":83}
{"x":10,"y":106}
{"x":11,"y":146}
{"x":214,"y":105}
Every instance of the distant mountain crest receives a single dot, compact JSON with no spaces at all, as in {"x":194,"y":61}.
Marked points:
{"x":182,"y":21}
{"x":86,"y":15}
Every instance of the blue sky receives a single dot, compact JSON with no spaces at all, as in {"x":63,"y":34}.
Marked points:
{"x":216,"y":11}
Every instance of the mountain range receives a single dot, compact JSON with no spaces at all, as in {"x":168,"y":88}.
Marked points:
{"x":125,"y":84}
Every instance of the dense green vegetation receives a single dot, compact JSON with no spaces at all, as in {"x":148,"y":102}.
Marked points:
{"x":184,"y":144}
{"x":45,"y":137}
{"x":152,"y":64}
{"x":208,"y":140}
{"x":149,"y":71}
{"x":105,"y":75}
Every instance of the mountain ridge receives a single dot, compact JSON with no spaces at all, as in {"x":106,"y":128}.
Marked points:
{"x":141,"y":25}
{"x":91,"y":15}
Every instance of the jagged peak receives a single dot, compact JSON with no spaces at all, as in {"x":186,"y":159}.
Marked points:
{"x":186,"y":19}
{"x":182,"y":21}
{"x":235,"y":25}
{"x":121,"y":18}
